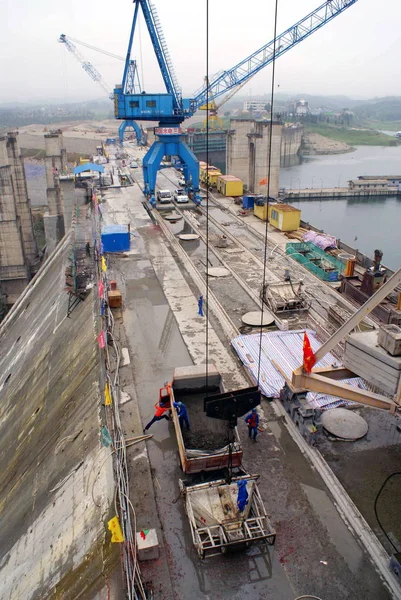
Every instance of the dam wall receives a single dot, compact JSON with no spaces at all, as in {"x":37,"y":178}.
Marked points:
{"x":57,"y":485}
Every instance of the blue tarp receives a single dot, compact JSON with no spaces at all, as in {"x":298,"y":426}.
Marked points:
{"x":88,"y":167}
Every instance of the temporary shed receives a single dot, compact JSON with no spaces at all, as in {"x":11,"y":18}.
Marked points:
{"x":284,"y":217}
{"x":115,"y":238}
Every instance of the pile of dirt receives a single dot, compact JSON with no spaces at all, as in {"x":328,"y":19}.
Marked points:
{"x":205,"y":433}
{"x":205,"y":440}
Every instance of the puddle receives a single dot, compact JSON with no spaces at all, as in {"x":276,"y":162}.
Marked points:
{"x":338,"y":533}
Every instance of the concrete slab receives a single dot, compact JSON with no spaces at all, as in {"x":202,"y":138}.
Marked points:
{"x":257,"y":318}
{"x":217,"y":272}
{"x":344,"y":424}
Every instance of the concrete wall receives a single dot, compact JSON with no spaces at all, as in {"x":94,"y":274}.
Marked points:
{"x":291,"y":139}
{"x":57,"y":485}
{"x":248,"y":154}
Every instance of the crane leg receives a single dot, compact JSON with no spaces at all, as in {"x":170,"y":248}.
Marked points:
{"x":169,"y":145}
{"x":135,"y":127}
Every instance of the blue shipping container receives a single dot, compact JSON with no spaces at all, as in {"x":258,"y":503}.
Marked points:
{"x":115,"y":238}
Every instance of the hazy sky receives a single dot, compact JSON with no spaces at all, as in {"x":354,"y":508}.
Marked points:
{"x":357,"y":54}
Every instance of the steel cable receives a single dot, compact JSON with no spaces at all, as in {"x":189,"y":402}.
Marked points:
{"x":207,"y":200}
{"x":268,"y":185}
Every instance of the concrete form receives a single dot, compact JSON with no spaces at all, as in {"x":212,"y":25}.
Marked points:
{"x":54,"y":218}
{"x":250,"y":156}
{"x":14,"y":272}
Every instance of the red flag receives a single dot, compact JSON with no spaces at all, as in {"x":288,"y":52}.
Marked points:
{"x":309,"y":357}
{"x":101,"y":289}
{"x":264,"y":181}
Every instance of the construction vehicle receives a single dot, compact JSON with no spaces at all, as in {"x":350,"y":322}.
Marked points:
{"x":171,"y":109}
{"x":366,"y":355}
{"x":205,"y":446}
{"x":217,"y":520}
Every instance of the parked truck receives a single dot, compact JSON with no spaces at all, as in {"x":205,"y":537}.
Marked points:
{"x":217,"y":519}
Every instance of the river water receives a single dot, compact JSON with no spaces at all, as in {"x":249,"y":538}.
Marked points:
{"x":363,"y":223}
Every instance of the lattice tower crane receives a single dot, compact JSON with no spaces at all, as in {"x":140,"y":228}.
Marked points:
{"x":132,"y":86}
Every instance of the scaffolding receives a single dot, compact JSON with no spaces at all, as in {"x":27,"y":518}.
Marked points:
{"x":80,"y":271}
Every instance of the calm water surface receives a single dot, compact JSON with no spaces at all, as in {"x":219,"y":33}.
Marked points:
{"x":364,"y":223}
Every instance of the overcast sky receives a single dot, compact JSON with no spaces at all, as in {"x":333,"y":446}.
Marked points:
{"x":357,"y":54}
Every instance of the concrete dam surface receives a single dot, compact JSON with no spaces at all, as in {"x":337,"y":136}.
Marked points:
{"x":57,"y":483}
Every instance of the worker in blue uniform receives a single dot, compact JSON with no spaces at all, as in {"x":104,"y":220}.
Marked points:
{"x":252,"y":420}
{"x":200,"y":306}
{"x":242,"y":498}
{"x":182,"y":414}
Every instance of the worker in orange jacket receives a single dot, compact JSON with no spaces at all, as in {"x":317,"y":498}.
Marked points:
{"x":161,"y":412}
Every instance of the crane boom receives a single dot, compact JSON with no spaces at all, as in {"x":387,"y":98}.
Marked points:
{"x":86,"y":65}
{"x":160,"y":48}
{"x":242,"y":72}
{"x":111,"y":54}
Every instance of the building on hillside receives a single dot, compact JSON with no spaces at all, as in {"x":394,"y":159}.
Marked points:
{"x":255,"y":105}
{"x":301,"y":108}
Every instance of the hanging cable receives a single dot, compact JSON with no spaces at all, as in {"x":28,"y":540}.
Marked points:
{"x":207,"y":200}
{"x":268,"y":184}
{"x":375,"y":506}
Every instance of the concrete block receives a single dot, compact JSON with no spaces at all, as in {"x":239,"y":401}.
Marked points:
{"x":366,"y":358}
{"x":148,"y":548}
{"x":390,"y":339}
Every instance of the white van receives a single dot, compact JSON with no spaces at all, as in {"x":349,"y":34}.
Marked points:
{"x":164,"y":196}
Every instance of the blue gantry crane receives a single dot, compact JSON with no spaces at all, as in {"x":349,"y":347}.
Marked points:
{"x":171,"y":109}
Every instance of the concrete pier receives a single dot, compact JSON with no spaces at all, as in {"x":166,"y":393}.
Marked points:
{"x":54,"y":218}
{"x":22,"y":202}
{"x":14,"y":272}
{"x":250,"y":155}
